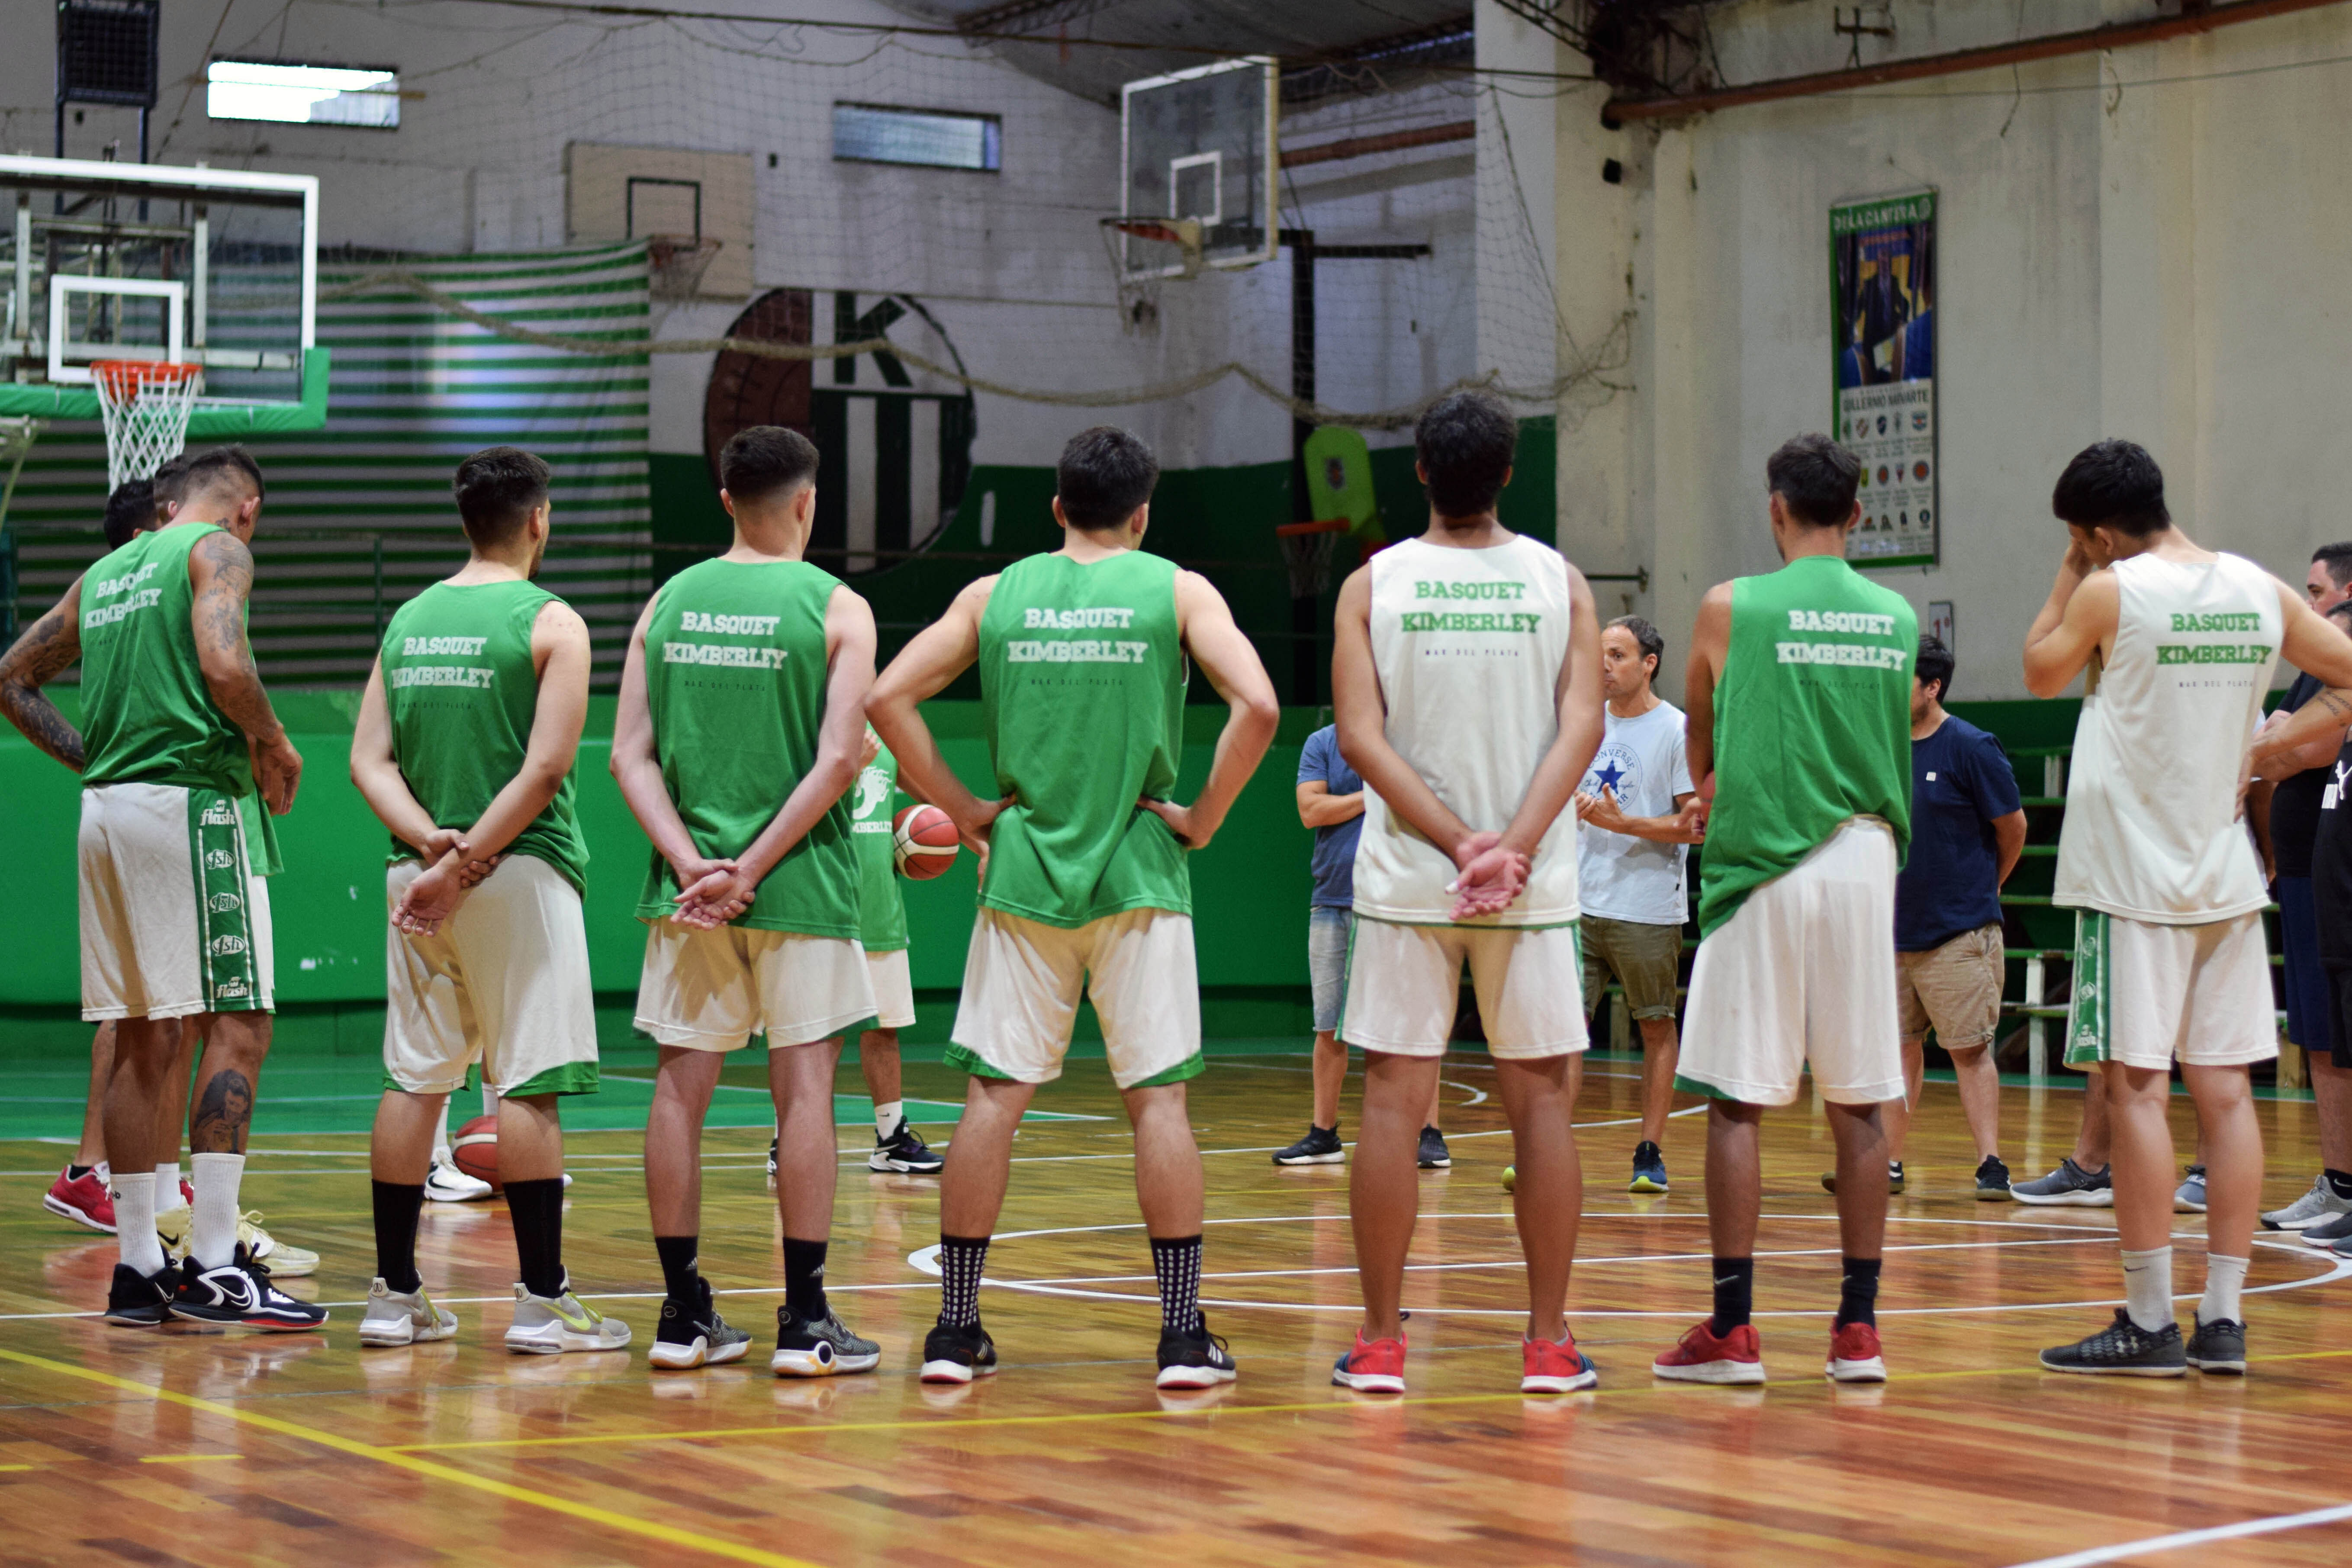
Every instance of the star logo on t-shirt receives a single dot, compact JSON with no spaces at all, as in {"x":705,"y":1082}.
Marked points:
{"x":1610,"y":777}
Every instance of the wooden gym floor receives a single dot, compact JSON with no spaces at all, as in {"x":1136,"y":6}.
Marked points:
{"x":118,"y":1446}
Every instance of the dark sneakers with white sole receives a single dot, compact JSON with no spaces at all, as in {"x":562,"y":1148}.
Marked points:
{"x":952,"y":1354}
{"x":1197,"y":1360}
{"x":819,"y":1347}
{"x":2123,"y":1349}
{"x":136,"y":1300}
{"x":238,"y":1295}
{"x":692,"y":1334}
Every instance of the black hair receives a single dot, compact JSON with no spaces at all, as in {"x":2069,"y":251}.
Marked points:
{"x":2342,"y":613}
{"x":2339,"y":560}
{"x":171,"y":484}
{"x":2116,"y":484}
{"x":763,"y":460}
{"x":208,"y":471}
{"x":1646,"y":637}
{"x":1815,"y":479}
{"x":130,"y":511}
{"x":1935,"y":664}
{"x":498,"y":488}
{"x":1104,"y":474}
{"x":1464,"y":442}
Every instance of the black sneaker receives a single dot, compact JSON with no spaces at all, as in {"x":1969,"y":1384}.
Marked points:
{"x":1320,"y":1147}
{"x":958,"y":1355}
{"x":692,"y":1334}
{"x":238,"y":1295}
{"x":2123,"y":1349}
{"x":819,"y":1347}
{"x":1894,"y":1178}
{"x":1992,"y":1180}
{"x":139,"y":1301}
{"x":1433,"y":1154}
{"x":1649,"y":1169}
{"x":1197,"y":1360}
{"x":2071,"y":1184}
{"x":2219,"y":1347}
{"x":772,"y":1158}
{"x":904,"y":1151}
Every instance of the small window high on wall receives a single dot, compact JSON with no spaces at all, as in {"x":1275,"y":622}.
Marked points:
{"x":293,"y":92}
{"x":931,"y":138}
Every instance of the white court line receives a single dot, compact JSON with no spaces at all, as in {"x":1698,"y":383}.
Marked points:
{"x":2270,"y":1526}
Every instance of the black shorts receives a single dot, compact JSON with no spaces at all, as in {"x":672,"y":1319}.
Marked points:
{"x":2339,"y":1016}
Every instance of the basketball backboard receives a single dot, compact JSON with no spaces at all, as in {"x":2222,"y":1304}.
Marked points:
{"x":1199,"y":145}
{"x":216,"y":268}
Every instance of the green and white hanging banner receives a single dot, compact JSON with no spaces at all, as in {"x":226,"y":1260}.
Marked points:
{"x":1881,"y":301}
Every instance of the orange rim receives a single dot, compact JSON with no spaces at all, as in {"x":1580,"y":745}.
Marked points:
{"x":123,"y":376}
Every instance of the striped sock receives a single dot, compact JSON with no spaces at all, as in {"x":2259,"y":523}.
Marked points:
{"x":962,"y":1257}
{"x":1177,"y":1262}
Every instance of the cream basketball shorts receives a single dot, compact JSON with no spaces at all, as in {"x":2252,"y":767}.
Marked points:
{"x":174,"y":921}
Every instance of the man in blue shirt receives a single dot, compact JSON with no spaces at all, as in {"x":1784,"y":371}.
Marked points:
{"x":1968,"y":828}
{"x":1331,"y":802}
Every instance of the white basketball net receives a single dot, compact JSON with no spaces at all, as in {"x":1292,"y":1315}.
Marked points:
{"x":145,"y":408}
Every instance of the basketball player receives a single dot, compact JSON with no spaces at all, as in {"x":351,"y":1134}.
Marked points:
{"x":463,"y":748}
{"x":742,"y":709}
{"x":174,"y":924}
{"x":1082,"y":671}
{"x":1466,"y":678}
{"x":1809,"y":777}
{"x":883,"y":933}
{"x":2169,"y":956}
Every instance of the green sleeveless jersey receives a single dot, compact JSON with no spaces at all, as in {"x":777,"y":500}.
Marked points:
{"x":1812,"y":725}
{"x":459,"y":677}
{"x":1082,"y":681}
{"x":872,"y":803}
{"x":147,"y":716}
{"x":735,"y":679}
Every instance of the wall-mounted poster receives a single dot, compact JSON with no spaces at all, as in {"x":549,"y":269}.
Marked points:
{"x":1882,"y":300}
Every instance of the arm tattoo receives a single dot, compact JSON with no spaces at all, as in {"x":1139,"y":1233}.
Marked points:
{"x":223,"y":1114}
{"x":219,"y":626}
{"x":2334,"y":704}
{"x":46,"y":650}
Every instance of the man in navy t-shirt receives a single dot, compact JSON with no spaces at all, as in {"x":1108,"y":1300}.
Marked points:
{"x":1331,"y":802}
{"x":1968,"y":828}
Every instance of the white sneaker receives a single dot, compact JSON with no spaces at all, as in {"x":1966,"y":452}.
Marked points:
{"x":549,"y":1325}
{"x":445,"y":1183}
{"x":397,"y":1318}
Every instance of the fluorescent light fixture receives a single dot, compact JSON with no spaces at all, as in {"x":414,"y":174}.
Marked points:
{"x":938,"y":139}
{"x":292,"y":93}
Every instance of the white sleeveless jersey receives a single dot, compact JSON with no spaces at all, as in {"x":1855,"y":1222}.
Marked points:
{"x":2152,"y":831}
{"x":1468,"y":645}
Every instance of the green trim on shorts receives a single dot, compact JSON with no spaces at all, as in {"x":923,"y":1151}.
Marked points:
{"x":1193,"y":1066}
{"x":216,"y":857}
{"x":2090,"y":1011}
{"x":965,"y":1058}
{"x":1347,"y":968}
{"x":571,"y":1078}
{"x":1691,"y":1086}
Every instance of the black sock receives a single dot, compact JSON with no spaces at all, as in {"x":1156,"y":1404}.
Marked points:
{"x":76,"y":1173}
{"x":537,"y":1208}
{"x":680,"y":1272}
{"x":1858,"y":1296}
{"x":2341,"y":1181}
{"x":397,"y":1208}
{"x":1735,"y":1294}
{"x":805,"y":1279}
{"x":1177,"y":1262}
{"x":962,"y":1257}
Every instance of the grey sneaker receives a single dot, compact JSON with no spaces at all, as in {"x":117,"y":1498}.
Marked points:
{"x":549,"y":1325}
{"x":2219,"y":1348}
{"x":2189,"y":1198}
{"x":819,"y":1347}
{"x":403,"y":1317}
{"x":2316,"y":1206}
{"x":692,"y":1334}
{"x":2328,"y":1232}
{"x":2069,"y":1184}
{"x":2123,"y":1349}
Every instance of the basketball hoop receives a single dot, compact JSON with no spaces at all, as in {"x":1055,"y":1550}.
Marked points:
{"x":1307,"y":551}
{"x":144,"y":405}
{"x":1139,"y":262}
{"x":677,"y":262}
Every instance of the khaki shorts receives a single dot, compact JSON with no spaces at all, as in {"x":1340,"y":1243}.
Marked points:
{"x":1404,"y":982}
{"x":1953,"y":988}
{"x":1646,"y":958}
{"x":503,"y":983}
{"x":713,"y":989}
{"x":1020,"y":985}
{"x":174,"y":921}
{"x":893,"y":988}
{"x":2146,"y":995}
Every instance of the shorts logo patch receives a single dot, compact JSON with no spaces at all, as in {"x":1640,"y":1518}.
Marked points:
{"x":232,"y":974}
{"x":224,"y":903}
{"x":220,"y":813}
{"x":225,"y":946}
{"x":220,"y":859}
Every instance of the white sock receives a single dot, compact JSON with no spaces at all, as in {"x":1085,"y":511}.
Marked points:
{"x":490,"y":1098}
{"x":105,"y":1173}
{"x":441,"y":1155}
{"x":212,"y":1241}
{"x":888,"y":1117}
{"x":134,"y":1223}
{"x":2148,"y":1287}
{"x":168,"y":1195}
{"x":2224,"y":1278}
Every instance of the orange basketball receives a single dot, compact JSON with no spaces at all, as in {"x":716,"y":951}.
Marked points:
{"x":475,"y":1151}
{"x":924,"y":842}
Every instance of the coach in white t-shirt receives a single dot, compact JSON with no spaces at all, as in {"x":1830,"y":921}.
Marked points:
{"x":1635,"y":817}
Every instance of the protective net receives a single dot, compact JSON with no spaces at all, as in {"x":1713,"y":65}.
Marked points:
{"x":144,"y":405}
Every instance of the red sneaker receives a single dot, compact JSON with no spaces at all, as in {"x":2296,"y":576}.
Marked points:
{"x":82,"y":1199}
{"x":1853,"y":1355}
{"x":1556,"y":1368}
{"x":1374,"y":1368}
{"x":187,"y":1191}
{"x":1700,"y":1357}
